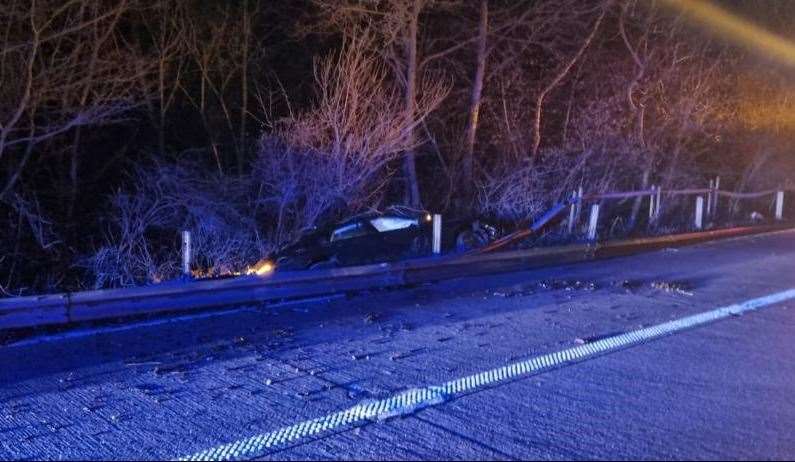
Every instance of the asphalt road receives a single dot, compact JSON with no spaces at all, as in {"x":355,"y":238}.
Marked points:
{"x":169,"y":388}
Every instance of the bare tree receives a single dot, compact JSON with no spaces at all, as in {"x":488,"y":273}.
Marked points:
{"x":560,"y":74}
{"x":398,"y":32}
{"x":62,"y":67}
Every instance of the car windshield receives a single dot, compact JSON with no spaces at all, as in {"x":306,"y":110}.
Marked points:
{"x":348,"y":231}
{"x":384,"y":224}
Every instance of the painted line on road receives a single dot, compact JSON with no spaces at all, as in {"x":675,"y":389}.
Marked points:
{"x":415,"y":399}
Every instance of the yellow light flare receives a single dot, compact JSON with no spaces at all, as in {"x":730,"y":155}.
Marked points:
{"x":737,"y":29}
{"x":261,"y":268}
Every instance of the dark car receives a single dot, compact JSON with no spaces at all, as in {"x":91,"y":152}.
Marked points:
{"x":378,"y":237}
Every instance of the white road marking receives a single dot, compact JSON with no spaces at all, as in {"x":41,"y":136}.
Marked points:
{"x":415,"y":399}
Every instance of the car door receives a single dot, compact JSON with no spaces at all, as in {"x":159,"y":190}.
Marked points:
{"x":357,"y":242}
{"x":397,"y":234}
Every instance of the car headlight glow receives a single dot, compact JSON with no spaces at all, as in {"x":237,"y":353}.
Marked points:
{"x":262,"y":268}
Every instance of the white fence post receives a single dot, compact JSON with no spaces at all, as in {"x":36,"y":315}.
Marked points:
{"x":780,"y":205}
{"x":715,"y":201}
{"x":437,"y":234}
{"x":572,"y":210}
{"x":594,"y":220}
{"x":699,"y":212}
{"x":186,"y":250}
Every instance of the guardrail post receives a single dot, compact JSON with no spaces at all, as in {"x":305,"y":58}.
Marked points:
{"x":437,"y":234}
{"x":780,"y":205}
{"x":186,"y":256}
{"x":715,"y":200}
{"x":699,"y":212}
{"x":572,"y":211}
{"x":592,"y":222}
{"x":651,"y":202}
{"x":709,"y":197}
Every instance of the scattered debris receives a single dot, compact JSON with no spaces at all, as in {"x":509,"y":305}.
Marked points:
{"x":546,"y":284}
{"x":678,"y":287}
{"x":564,"y":284}
{"x":580,"y":341}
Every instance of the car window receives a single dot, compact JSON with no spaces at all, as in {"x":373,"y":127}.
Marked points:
{"x":384,"y":224}
{"x":348,"y":231}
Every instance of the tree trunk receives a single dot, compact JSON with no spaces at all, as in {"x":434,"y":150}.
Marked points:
{"x":410,"y":167}
{"x":474,"y":103}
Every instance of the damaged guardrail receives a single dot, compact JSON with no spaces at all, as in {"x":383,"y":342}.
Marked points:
{"x":67,"y":308}
{"x":655,"y":193}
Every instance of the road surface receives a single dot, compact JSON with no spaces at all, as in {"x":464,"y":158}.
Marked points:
{"x":250,"y":382}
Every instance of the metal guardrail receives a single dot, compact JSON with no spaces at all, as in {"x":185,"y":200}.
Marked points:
{"x":67,"y":308}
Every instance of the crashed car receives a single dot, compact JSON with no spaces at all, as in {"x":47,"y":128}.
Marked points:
{"x":378,"y":237}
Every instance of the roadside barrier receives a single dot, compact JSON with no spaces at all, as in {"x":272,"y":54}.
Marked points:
{"x":181,"y":296}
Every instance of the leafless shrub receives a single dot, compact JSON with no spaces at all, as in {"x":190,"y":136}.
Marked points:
{"x":143,"y":242}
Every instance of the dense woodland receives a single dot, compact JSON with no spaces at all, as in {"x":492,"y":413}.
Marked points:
{"x":247,"y":121}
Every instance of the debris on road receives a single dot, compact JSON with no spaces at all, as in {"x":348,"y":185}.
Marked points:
{"x":679,"y":287}
{"x":525,"y":290}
